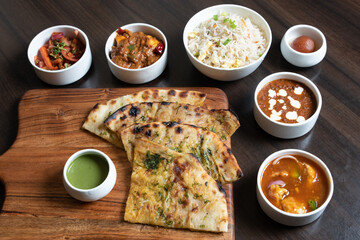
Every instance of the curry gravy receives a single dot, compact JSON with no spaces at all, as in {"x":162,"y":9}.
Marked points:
{"x":287,"y":101}
{"x":135,"y":49}
{"x":295,"y":184}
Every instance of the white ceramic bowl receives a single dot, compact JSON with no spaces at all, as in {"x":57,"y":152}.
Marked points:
{"x":222,"y":73}
{"x":67,"y":75}
{"x":300,"y":59}
{"x":292,"y":219}
{"x":286,"y":130}
{"x":141,"y":75}
{"x":93,"y":194}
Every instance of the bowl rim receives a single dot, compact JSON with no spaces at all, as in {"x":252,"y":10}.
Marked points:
{"x":311,"y":157}
{"x":78,"y":154}
{"x":111,"y":38}
{"x":269,"y":41}
{"x":305,"y":26}
{"x":308,"y":84}
{"x":87,"y":48}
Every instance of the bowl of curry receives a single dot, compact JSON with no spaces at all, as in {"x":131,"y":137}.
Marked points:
{"x":136,"y":53}
{"x":294,"y":187}
{"x":287,"y":105}
{"x":60,"y":55}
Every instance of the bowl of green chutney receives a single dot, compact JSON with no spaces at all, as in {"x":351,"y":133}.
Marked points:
{"x":89,"y":175}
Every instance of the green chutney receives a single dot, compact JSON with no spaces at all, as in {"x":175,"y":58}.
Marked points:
{"x":87,"y":171}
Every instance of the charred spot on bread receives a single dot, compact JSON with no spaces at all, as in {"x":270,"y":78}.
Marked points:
{"x":179,"y":130}
{"x":134,"y":111}
{"x":137,"y":129}
{"x":184,"y":94}
{"x":172,"y":92}
{"x":219,"y":185}
{"x":148,"y":133}
{"x":122,"y":109}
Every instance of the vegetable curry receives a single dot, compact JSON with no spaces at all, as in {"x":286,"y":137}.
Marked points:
{"x":59,"y":52}
{"x":135,"y":50}
{"x":295,"y":184}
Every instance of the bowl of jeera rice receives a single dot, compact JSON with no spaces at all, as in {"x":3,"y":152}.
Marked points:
{"x":227,"y":42}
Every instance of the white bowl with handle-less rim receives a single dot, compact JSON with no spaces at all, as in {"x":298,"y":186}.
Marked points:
{"x":98,"y":192}
{"x":62,"y":76}
{"x":280,"y":216}
{"x":224,"y":74}
{"x":140,"y":75}
{"x":286,"y":130}
{"x":300,"y":59}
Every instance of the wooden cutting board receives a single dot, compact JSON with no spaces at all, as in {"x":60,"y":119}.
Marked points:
{"x":36,"y":204}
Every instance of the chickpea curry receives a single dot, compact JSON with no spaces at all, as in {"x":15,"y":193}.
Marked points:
{"x":295,"y":184}
{"x":135,"y":49}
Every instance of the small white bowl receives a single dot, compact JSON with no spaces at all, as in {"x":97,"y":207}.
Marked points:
{"x":93,"y":194}
{"x":223,"y":74}
{"x":292,"y":219}
{"x":286,"y":130}
{"x":300,"y":59}
{"x":141,"y":75}
{"x":67,"y":75}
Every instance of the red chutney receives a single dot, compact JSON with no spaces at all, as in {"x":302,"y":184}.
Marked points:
{"x":287,"y":101}
{"x":295,"y":184}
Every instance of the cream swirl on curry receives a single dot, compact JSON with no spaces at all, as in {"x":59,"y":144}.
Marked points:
{"x":287,"y":101}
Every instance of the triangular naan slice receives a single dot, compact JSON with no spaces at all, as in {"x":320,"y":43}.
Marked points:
{"x":171,"y":189}
{"x":95,"y":120}
{"x":223,"y":122}
{"x":215,"y":157}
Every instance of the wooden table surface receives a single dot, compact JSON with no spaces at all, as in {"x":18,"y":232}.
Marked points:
{"x":335,"y":138}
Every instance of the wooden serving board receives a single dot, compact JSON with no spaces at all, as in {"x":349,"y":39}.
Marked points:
{"x":36,"y":205}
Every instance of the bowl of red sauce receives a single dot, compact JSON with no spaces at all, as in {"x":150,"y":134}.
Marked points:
{"x":60,"y":55}
{"x":136,"y":53}
{"x":303,"y":45}
{"x":294,"y":187}
{"x":287,"y":105}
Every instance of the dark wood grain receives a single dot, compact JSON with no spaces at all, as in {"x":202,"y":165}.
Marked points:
{"x":335,"y":138}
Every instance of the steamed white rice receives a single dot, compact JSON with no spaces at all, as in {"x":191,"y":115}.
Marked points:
{"x":227,"y":41}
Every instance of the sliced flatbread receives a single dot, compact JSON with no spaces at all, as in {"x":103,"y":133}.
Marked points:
{"x":95,"y":120}
{"x":215,"y":157}
{"x":171,"y":189}
{"x":221,"y":121}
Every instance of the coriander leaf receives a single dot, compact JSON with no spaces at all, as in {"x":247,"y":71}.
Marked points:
{"x":312,"y":204}
{"x":226,"y":20}
{"x":232,"y":24}
{"x":152,"y":161}
{"x":131,"y":47}
{"x":226,"y":42}
{"x":215,"y":17}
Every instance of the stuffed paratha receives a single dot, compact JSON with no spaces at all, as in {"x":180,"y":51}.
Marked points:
{"x":215,"y":157}
{"x":94,"y":122}
{"x":171,"y":189}
{"x":223,"y":122}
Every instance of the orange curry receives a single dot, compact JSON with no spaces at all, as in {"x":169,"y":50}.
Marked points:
{"x":294,"y":184}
